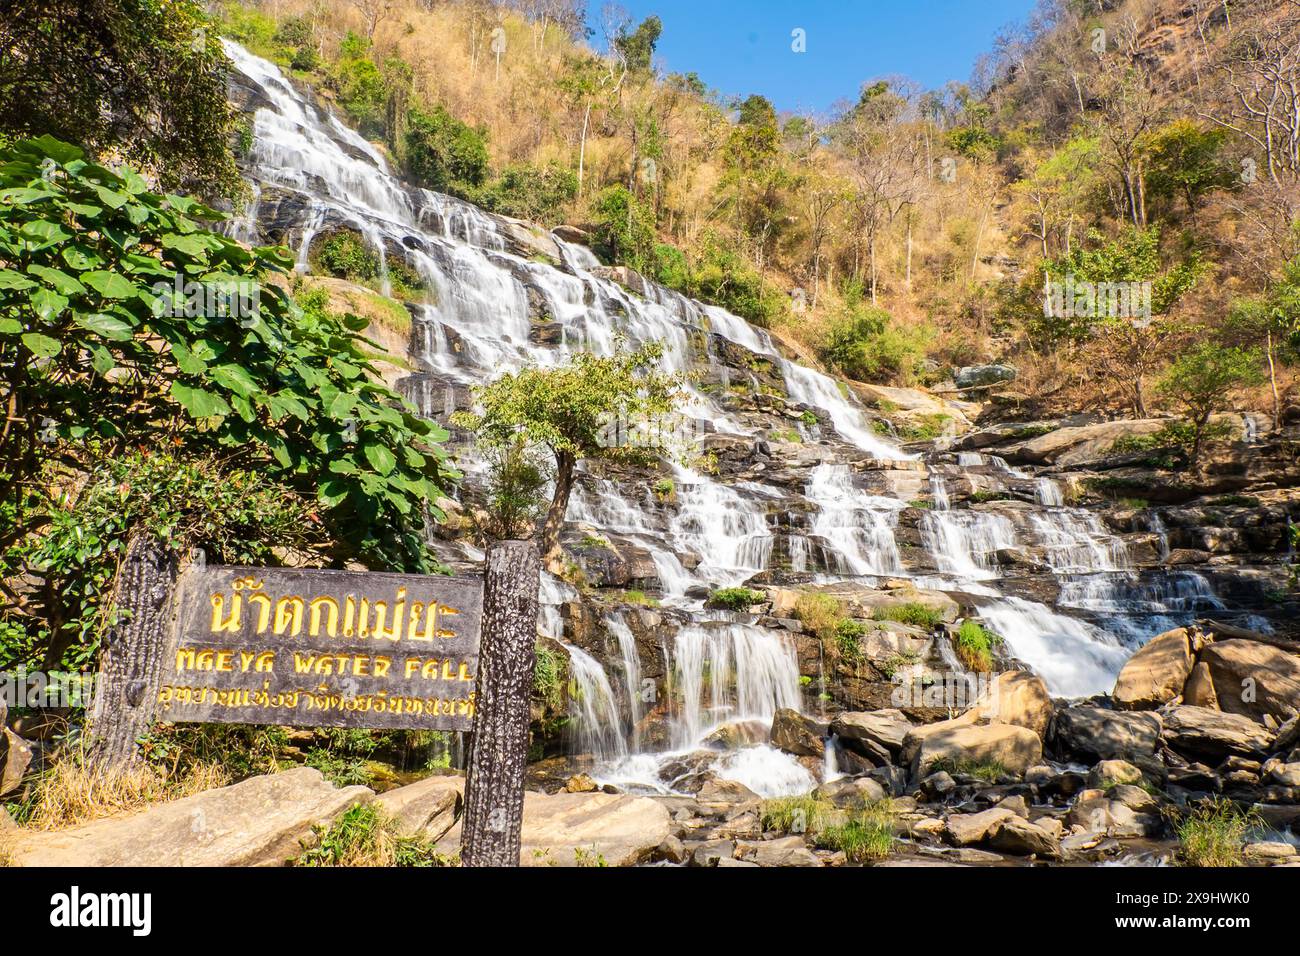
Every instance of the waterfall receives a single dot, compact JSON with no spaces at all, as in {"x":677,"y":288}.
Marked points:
{"x":480,"y":315}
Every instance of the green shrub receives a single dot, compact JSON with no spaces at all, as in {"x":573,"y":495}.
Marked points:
{"x":915,"y":613}
{"x":975,"y":645}
{"x":549,"y":677}
{"x":865,"y":344}
{"x":866,"y":836}
{"x":1214,"y":833}
{"x":345,"y":254}
{"x":848,"y":638}
{"x":444,"y":154}
{"x":805,"y":814}
{"x":537,"y":193}
{"x":624,"y":230}
{"x":734,"y":599}
{"x":365,"y":836}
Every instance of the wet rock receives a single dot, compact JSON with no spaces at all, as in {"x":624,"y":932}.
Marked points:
{"x":1286,"y":774}
{"x":581,"y":783}
{"x":710,"y":852}
{"x":672,"y":850}
{"x":1204,"y":733}
{"x":737,"y":734}
{"x":1156,"y":674}
{"x":799,"y":735}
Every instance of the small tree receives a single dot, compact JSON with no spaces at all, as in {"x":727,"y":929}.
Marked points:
{"x":575,"y":411}
{"x":1201,"y":381}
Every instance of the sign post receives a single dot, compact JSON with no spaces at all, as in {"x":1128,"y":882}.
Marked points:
{"x":494,"y":785}
{"x":320,"y":648}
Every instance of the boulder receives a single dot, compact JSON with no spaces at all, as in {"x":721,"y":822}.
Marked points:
{"x":1253,"y":679}
{"x":1199,"y":689}
{"x":1017,"y":835}
{"x":15,"y":758}
{"x":1100,"y":734}
{"x":1019,"y":698}
{"x":884,"y":728}
{"x":976,"y":376}
{"x":784,"y":851}
{"x":966,"y":828}
{"x":1109,"y":773}
{"x":1155,"y":675}
{"x":851,"y":793}
{"x":1199,"y":732}
{"x":427,"y":808}
{"x":1067,"y":447}
{"x":720,"y":790}
{"x":1268,"y":851}
{"x":799,"y":735}
{"x":1015,"y":748}
{"x":581,"y":783}
{"x":262,"y":821}
{"x":572,"y":829}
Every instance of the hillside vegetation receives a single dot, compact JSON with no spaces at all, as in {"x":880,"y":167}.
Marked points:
{"x":908,"y":231}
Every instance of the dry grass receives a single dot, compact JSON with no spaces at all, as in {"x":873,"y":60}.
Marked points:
{"x":71,"y":792}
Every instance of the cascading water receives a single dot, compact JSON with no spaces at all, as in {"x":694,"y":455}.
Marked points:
{"x":480,"y":317}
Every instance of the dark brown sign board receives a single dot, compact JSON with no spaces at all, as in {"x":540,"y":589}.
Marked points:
{"x":323,"y":649}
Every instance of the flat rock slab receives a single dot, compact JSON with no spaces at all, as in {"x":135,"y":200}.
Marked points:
{"x":427,"y":808}
{"x":575,"y":829}
{"x":261,"y":821}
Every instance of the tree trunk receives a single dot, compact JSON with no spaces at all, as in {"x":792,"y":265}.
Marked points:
{"x":123,"y":709}
{"x":564,"y":462}
{"x":1272,"y":381}
{"x":582,"y":147}
{"x":494,"y":782}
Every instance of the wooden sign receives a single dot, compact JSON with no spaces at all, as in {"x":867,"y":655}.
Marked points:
{"x":322,"y":649}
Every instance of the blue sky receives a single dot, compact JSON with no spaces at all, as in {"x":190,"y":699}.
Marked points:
{"x":744,"y":46}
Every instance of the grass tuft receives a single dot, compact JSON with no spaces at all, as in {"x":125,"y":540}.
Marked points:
{"x":1214,"y":833}
{"x":365,"y":836}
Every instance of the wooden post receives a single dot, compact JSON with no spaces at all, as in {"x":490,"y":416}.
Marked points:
{"x":494,"y":785}
{"x":127,"y":692}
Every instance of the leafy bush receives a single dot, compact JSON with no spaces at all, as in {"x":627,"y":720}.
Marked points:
{"x":125,"y":324}
{"x":365,"y":836}
{"x":444,"y":154}
{"x":623,"y":229}
{"x":345,"y":254}
{"x":734,"y":599}
{"x":864,"y":344}
{"x":236,"y":516}
{"x":975,"y":645}
{"x":914,"y":613}
{"x":549,"y":677}
{"x":538,"y":193}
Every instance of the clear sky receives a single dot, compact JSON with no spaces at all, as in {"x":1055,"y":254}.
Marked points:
{"x":744,"y":46}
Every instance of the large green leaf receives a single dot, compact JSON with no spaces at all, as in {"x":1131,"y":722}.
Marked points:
{"x":110,"y":327}
{"x":380,"y":457}
{"x":42,"y":345}
{"x":110,"y":285}
{"x":199,"y":402}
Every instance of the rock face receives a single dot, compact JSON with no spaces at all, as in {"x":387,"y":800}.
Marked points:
{"x":796,"y":734}
{"x":1253,"y":679}
{"x":261,"y":821}
{"x":1157,"y":673}
{"x":427,"y":808}
{"x":585,"y":829}
{"x":1107,"y":734}
{"x":1212,"y":734}
{"x":1015,"y":748}
{"x":1018,"y":698}
{"x":882,"y":728}
{"x":1068,"y":447}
